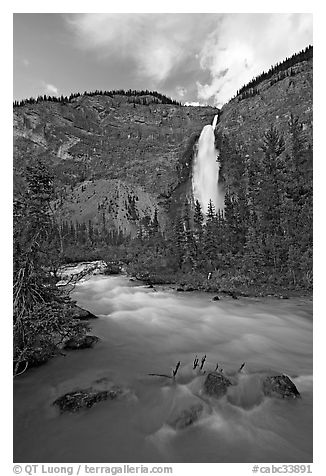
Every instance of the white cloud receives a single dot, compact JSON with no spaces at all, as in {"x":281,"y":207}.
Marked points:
{"x":246,"y":44}
{"x":156,"y":43}
{"x":51,"y":89}
{"x":227,"y":49}
{"x":181,"y":91}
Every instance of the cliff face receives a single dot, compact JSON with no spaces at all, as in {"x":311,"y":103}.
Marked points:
{"x":118,"y":159}
{"x":105,"y":149}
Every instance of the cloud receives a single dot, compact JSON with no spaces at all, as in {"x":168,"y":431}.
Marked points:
{"x":244,"y":45}
{"x":181,"y":91}
{"x":201,"y":58}
{"x":51,"y":89}
{"x":154,"y":43}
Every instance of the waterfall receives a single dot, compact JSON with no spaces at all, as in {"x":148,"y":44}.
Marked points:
{"x":206,"y":170}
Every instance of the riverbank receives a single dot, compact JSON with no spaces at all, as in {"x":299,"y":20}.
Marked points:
{"x":221,"y":285}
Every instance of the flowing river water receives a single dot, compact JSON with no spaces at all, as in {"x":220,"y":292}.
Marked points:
{"x":142,"y":332}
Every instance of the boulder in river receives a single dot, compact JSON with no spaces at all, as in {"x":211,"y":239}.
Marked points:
{"x":83,"y":342}
{"x":280,"y":386}
{"x":215,"y":298}
{"x":86,"y":398}
{"x":187,"y":417}
{"x":41,"y":354}
{"x":216,"y":384}
{"x":80,"y":313}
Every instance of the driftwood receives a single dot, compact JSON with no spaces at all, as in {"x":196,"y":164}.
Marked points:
{"x":174,"y":372}
{"x":176,"y":369}
{"x":160,"y":375}
{"x":194,"y":366}
{"x":216,"y":384}
{"x":22,"y":371}
{"x":203,"y":362}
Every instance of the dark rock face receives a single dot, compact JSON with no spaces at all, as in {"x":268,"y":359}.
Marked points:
{"x":122,"y":159}
{"x":187,"y":417}
{"x":82,"y":314}
{"x":280,"y":386}
{"x":84,"y":342}
{"x":85,"y":398}
{"x":216,"y":384}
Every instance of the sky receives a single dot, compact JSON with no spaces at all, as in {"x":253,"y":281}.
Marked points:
{"x":199,"y":58}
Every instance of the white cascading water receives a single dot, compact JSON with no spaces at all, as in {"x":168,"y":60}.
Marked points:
{"x":206,"y":170}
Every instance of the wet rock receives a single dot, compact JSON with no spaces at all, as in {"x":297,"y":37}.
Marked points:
{"x":180,"y":290}
{"x":83,"y":342}
{"x":232,"y":294}
{"x":80,"y":313}
{"x":280,"y":386}
{"x":215,"y":298}
{"x":112,"y":269}
{"x":216,"y":384}
{"x":86,"y":398}
{"x":41,"y":355}
{"x":187,"y":417}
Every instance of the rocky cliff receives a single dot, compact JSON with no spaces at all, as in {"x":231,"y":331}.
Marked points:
{"x":116,"y":159}
{"x":109,"y":155}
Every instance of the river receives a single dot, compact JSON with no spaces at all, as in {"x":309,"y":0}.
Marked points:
{"x":142,"y":332}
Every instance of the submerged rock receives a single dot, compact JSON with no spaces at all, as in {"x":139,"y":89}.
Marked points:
{"x":280,"y":386}
{"x":85,"y":398}
{"x":216,"y":384}
{"x":187,"y":417}
{"x":83,"y":342}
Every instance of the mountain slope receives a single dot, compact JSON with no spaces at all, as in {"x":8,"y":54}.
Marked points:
{"x":246,"y":118}
{"x":117,"y":158}
{"x":101,"y":138}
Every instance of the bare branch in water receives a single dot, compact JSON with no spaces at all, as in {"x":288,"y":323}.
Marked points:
{"x":196,"y":362}
{"x":160,"y":375}
{"x":176,"y":369}
{"x":216,"y":367}
{"x":203,"y":362}
{"x":20,"y":373}
{"x":244,"y":363}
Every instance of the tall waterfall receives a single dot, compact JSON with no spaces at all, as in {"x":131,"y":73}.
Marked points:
{"x":206,"y":170}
